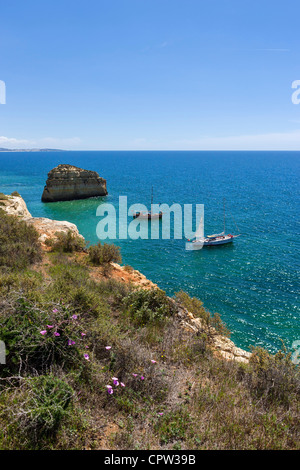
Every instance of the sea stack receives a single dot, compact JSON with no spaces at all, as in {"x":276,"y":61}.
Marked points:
{"x":68,"y":182}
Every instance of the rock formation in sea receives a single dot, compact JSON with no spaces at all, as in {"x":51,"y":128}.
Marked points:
{"x":68,"y":182}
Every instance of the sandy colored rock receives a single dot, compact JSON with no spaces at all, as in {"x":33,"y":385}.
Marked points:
{"x":68,"y":182}
{"x":15,"y":205}
{"x":48,"y":228}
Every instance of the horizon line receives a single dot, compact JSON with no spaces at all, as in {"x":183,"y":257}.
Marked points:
{"x":48,"y":150}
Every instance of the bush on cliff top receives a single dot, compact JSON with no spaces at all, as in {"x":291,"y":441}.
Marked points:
{"x":195,"y":306}
{"x":66,"y":242}
{"x":104,"y":254}
{"x":19,"y":244}
{"x":148,"y":306}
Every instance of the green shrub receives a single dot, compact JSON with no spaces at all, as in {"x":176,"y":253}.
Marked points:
{"x":19,"y":244}
{"x":148,"y":306}
{"x":15,"y":193}
{"x":174,"y":425}
{"x":33,"y":409}
{"x":275,"y":377}
{"x":104,"y":254}
{"x":37,"y":338}
{"x":49,"y":399}
{"x":3,"y":197}
{"x":195,"y":306}
{"x":71,"y":282}
{"x":66,"y":242}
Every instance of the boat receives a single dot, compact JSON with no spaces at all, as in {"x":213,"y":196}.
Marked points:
{"x":149,"y":214}
{"x":210,"y":240}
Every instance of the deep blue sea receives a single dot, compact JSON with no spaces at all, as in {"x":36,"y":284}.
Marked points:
{"x":253,"y":283}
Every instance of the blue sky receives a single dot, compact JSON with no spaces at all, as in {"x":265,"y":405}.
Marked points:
{"x":150,"y":74}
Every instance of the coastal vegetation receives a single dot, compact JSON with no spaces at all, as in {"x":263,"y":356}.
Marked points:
{"x":93,"y":362}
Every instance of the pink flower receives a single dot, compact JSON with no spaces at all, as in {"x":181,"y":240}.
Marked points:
{"x":50,"y":326}
{"x":115,"y":380}
{"x":109,"y":389}
{"x":56,"y":334}
{"x":43,"y":332}
{"x":83,"y":334}
{"x":108,"y":347}
{"x":153,"y":361}
{"x":87,"y":357}
{"x":55,"y":310}
{"x":74,"y":317}
{"x":70,"y":342}
{"x":160,"y":414}
{"x":142,"y":378}
{"x":134,"y":375}
{"x":122,"y":385}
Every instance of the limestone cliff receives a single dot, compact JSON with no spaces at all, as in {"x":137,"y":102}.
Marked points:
{"x":47,"y":228}
{"x":15,"y":205}
{"x":68,"y":182}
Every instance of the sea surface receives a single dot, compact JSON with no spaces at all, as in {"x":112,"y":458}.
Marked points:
{"x":252,"y":283}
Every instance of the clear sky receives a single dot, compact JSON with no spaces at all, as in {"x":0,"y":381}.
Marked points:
{"x":150,"y":74}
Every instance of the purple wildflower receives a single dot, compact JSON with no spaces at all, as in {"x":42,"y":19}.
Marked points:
{"x":43,"y":332}
{"x":87,"y":357}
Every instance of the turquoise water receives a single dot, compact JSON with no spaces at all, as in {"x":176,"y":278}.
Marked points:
{"x":253,"y":283}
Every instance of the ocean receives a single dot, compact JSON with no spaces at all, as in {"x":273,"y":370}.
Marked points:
{"x":252,"y":283}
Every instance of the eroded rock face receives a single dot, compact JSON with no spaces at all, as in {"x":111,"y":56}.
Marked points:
{"x":15,"y":205}
{"x":46,"y":228}
{"x":68,"y":182}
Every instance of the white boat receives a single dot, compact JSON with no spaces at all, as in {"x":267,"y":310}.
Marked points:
{"x":210,"y":240}
{"x":148,"y":214}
